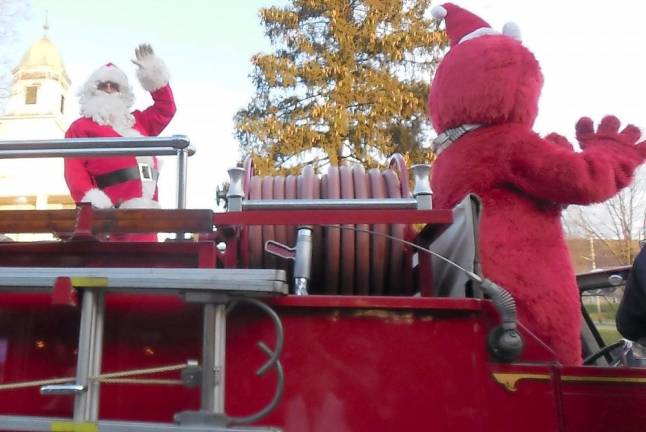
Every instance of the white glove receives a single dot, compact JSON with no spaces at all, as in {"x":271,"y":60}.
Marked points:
{"x":152,"y":73}
{"x":97,"y":198}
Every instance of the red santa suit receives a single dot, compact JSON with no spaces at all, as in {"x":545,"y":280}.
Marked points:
{"x":483,"y":102}
{"x":120,"y":181}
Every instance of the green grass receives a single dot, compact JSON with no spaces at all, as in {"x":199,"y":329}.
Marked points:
{"x":605,"y":308}
{"x":603,"y":313}
{"x":609,"y":335}
{"x":603,"y":316}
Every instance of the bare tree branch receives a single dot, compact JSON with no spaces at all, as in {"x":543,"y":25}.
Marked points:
{"x":12,"y":12}
{"x":617,"y":223}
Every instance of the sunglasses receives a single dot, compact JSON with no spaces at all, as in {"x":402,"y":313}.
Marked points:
{"x":108,"y":85}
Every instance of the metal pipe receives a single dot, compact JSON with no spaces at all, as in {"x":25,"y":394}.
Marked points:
{"x":149,"y":280}
{"x":176,"y":141}
{"x":330,"y":204}
{"x":182,"y":171}
{"x":93,"y":152}
{"x":213,"y":358}
{"x":422,"y":191}
{"x":97,"y":355}
{"x":182,"y":178}
{"x":235,"y":193}
{"x":97,"y":147}
{"x":177,"y":145}
{"x":62,"y":389}
{"x":86,"y":403}
{"x":303,"y":260}
{"x":272,"y":362}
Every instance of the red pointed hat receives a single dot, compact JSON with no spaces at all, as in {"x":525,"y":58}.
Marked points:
{"x":461,"y":25}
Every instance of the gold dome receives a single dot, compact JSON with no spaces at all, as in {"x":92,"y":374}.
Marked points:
{"x":43,"y":55}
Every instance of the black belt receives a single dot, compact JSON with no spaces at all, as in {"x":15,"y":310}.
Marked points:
{"x":120,"y":176}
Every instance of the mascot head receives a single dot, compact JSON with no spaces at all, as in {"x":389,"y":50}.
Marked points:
{"x":486,"y":77}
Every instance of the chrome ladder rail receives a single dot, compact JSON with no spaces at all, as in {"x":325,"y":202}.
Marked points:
{"x":214,"y":288}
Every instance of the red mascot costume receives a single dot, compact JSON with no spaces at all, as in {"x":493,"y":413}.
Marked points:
{"x":105,"y":101}
{"x":483,"y":102}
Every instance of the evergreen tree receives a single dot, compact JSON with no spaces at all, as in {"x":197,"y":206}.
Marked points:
{"x":347,"y":81}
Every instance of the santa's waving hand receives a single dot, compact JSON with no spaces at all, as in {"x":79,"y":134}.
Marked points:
{"x":105,"y":103}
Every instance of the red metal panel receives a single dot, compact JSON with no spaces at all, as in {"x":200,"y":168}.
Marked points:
{"x":378,"y":302}
{"x":373,"y":369}
{"x":43,"y":345}
{"x":602,"y":399}
{"x":35,"y":345}
{"x":404,"y":367}
{"x":438,"y":218}
{"x":107,"y":254}
{"x":351,"y":364}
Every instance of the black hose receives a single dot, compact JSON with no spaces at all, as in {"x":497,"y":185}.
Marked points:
{"x":504,"y":302}
{"x":505,"y":342}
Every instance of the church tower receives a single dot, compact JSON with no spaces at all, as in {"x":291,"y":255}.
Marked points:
{"x":38,"y":94}
{"x":34,"y":111}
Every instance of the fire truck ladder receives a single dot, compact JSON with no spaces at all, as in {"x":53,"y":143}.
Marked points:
{"x":215,"y":289}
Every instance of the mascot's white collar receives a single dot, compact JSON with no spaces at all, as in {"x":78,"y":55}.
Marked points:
{"x":449,"y":136}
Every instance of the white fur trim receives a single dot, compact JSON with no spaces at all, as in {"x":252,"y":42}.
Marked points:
{"x":153,"y":73}
{"x":139,"y":203}
{"x":148,"y":188}
{"x":512,"y":30}
{"x":97,"y":198}
{"x":438,"y":12}
{"x":127,"y":132}
{"x":109,"y":73}
{"x":482,"y":31}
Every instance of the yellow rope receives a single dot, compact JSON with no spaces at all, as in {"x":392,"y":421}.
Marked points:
{"x":140,"y":371}
{"x":112,"y":377}
{"x":150,"y":381}
{"x":24,"y":384}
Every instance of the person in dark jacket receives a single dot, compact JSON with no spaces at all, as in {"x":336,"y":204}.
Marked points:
{"x":631,"y":316}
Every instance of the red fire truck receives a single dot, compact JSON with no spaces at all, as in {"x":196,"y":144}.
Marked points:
{"x":334,"y":302}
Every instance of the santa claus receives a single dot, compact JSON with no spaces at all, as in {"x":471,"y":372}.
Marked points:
{"x":105,"y":101}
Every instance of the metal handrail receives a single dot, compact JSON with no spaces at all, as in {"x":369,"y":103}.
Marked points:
{"x":176,"y":145}
{"x":94,"y":146}
{"x":331,"y":204}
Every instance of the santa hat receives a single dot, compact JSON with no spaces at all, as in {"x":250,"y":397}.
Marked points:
{"x":462,"y":25}
{"x":109,"y":72}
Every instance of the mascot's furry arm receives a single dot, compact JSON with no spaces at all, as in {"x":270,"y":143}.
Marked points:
{"x":548,"y":169}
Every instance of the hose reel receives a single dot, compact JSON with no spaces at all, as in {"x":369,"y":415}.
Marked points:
{"x":343,"y":261}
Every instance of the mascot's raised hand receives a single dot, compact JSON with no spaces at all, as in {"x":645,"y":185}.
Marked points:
{"x":607,"y":133}
{"x":628,"y":153}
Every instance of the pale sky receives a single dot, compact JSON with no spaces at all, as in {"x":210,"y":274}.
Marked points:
{"x":590,"y":52}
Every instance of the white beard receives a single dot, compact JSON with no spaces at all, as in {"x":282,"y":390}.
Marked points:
{"x":109,"y":110}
